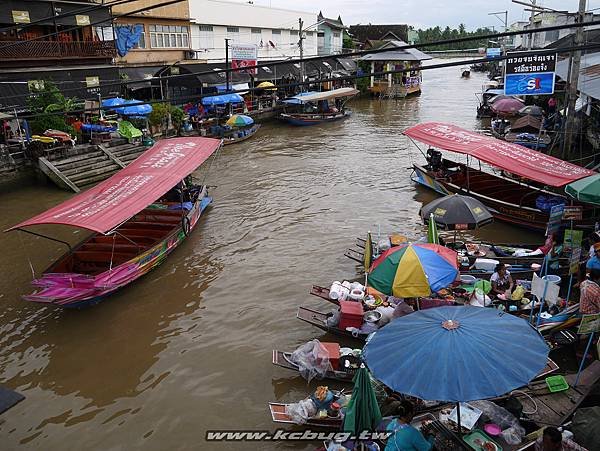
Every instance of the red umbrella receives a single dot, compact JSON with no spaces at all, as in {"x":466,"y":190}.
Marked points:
{"x":507,"y":107}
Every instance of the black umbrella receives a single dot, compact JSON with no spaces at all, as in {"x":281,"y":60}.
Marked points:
{"x":457,"y":212}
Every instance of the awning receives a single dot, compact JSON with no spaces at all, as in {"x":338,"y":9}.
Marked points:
{"x":589,"y":74}
{"x":513,"y":158}
{"x":114,"y":201}
{"x":223,"y":99}
{"x":240,"y":88}
{"x":326,"y":95}
{"x":146,"y":73}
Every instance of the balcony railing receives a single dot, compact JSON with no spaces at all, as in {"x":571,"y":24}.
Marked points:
{"x":53,"y":49}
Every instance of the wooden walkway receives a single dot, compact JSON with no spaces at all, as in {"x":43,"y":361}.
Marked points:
{"x":554,"y":409}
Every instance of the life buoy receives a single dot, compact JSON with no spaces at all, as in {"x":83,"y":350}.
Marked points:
{"x":185,"y":225}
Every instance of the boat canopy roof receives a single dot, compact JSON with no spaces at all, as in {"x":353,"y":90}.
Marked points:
{"x":326,"y":95}
{"x":518,"y":160}
{"x":115,"y":200}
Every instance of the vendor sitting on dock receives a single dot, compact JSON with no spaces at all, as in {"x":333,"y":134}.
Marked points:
{"x":501,"y":280}
{"x":552,"y":440}
{"x":405,"y":436}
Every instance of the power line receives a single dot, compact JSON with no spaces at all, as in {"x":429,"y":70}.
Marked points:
{"x":363,"y":52}
{"x":145,"y":8}
{"x":324,"y":80}
{"x":62,"y":15}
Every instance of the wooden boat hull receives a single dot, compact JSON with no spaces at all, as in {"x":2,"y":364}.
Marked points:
{"x":251,"y":132}
{"x":279,"y":415}
{"x":281,"y":359}
{"x":317,"y":319}
{"x":520,"y":215}
{"x":303,"y":120}
{"x":77,"y":290}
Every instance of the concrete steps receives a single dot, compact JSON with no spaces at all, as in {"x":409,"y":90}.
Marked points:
{"x":86,"y":165}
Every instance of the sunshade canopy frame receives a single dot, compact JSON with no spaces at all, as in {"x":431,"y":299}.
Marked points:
{"x":115,"y":200}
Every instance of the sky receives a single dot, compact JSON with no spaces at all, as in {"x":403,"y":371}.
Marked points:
{"x":423,"y":13}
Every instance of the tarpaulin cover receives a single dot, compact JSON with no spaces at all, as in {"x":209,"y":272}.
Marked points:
{"x":513,"y":158}
{"x":127,"y":37}
{"x":130,"y":190}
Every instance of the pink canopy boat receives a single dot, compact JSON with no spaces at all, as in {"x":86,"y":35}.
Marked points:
{"x":138,"y":216}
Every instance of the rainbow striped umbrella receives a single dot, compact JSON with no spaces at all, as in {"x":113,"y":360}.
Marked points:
{"x":414,"y":270}
{"x":240,"y":120}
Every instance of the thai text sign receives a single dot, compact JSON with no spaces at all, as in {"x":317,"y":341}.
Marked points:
{"x":527,"y":75}
{"x":527,"y":64}
{"x":589,"y":324}
{"x":555,"y":219}
{"x":574,"y":212}
{"x":493,"y":52}
{"x":244,"y":55}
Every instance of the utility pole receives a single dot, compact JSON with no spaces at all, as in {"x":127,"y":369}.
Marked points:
{"x":531,"y":36}
{"x":227,"y":74}
{"x":574,"y":80}
{"x":301,"y":46}
{"x":502,"y":40}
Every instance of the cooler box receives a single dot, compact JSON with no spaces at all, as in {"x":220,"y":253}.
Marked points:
{"x":351,"y":314}
{"x":486,"y":264}
{"x":333,"y":349}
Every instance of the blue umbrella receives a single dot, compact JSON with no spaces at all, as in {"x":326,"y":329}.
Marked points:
{"x":112,"y":102}
{"x":456,"y":354}
{"x":134,"y":108}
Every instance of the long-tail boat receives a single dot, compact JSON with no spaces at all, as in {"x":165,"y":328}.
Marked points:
{"x":134,"y":226}
{"x":312,"y":114}
{"x":515,"y":199}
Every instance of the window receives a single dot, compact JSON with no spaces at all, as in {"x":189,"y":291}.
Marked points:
{"x":336,"y":34}
{"x":233,"y":33}
{"x":276,"y":32}
{"x":207,"y":40}
{"x":293,"y":32}
{"x":168,"y":36}
{"x":256,"y":36}
{"x":141,"y":44}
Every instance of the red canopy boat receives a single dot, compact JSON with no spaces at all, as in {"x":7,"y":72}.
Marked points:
{"x":138,"y":217}
{"x":515,"y":200}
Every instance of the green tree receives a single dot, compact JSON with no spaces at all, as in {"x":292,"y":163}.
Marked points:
{"x":51,"y":108}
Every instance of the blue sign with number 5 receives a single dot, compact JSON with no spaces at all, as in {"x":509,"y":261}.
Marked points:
{"x":529,"y":84}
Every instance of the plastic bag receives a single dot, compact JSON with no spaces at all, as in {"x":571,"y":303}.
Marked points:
{"x":312,"y":360}
{"x":499,"y":415}
{"x":513,"y":435}
{"x":334,"y":319}
{"x":300,"y":412}
{"x":518,"y":294}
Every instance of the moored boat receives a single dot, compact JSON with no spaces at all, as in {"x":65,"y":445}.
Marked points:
{"x":315,"y":108}
{"x":243,"y":134}
{"x":509,"y":199}
{"x":137,"y":218}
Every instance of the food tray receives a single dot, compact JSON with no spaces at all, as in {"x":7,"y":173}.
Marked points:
{"x":418,"y":421}
{"x":556,"y":383}
{"x":477,"y":438}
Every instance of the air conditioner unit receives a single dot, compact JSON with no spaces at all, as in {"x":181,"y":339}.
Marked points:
{"x":190,"y":54}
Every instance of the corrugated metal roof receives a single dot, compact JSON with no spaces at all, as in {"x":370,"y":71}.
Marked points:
{"x":397,"y":54}
{"x":589,"y":74}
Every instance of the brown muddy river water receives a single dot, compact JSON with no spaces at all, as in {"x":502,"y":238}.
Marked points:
{"x":188,"y":347}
